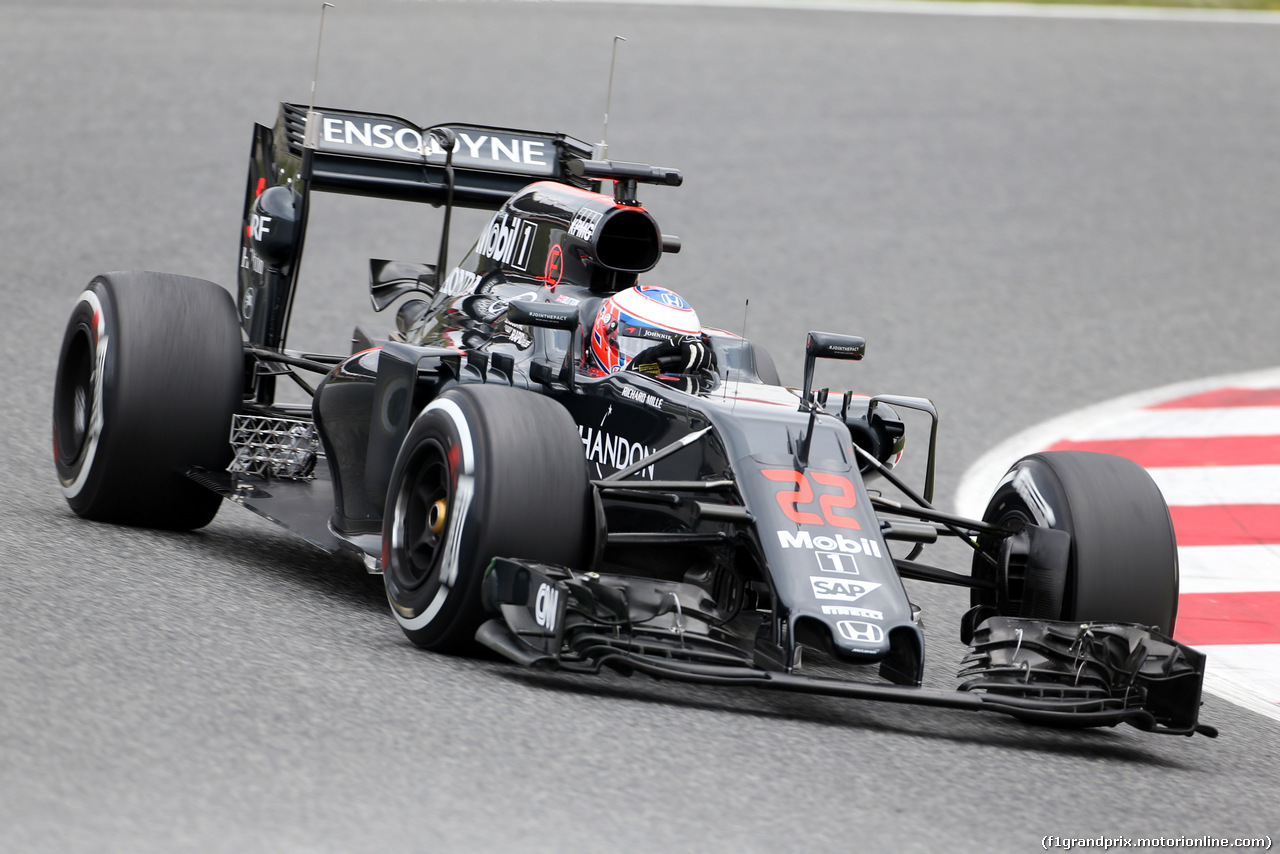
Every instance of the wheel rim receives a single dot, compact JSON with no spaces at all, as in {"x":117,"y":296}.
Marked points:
{"x":1010,"y":585}
{"x":1009,"y":592}
{"x":421,"y":516}
{"x":73,"y":401}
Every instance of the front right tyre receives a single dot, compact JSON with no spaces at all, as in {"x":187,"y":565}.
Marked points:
{"x":1123,"y":560}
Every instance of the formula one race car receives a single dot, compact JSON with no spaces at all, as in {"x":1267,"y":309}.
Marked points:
{"x":551,"y":460}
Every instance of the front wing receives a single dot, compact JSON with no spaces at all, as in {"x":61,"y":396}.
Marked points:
{"x":1045,"y":672}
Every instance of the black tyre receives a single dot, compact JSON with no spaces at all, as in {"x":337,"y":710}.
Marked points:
{"x":149,"y":376}
{"x":1123,"y":561}
{"x":485,"y":471}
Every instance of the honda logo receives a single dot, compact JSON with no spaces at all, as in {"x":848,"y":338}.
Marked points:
{"x":858,"y":632}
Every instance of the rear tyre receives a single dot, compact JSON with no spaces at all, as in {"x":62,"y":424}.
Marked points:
{"x":1123,"y":562}
{"x":485,"y":471}
{"x":150,"y":373}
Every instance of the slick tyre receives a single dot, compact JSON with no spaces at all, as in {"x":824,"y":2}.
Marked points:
{"x":150,"y":373}
{"x":1123,"y":561}
{"x":484,"y":472}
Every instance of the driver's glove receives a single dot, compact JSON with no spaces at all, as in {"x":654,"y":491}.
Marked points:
{"x":691,"y":356}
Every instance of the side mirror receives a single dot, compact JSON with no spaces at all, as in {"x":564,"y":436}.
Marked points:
{"x":389,"y":280}
{"x":545,"y":314}
{"x":828,"y":345}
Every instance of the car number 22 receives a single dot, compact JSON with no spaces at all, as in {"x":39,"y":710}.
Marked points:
{"x":798,"y":493}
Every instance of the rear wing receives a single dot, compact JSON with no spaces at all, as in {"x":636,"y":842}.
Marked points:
{"x":370,"y":154}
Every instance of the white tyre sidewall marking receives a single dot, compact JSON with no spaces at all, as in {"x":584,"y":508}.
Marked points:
{"x":462,"y":497}
{"x":93,"y":431}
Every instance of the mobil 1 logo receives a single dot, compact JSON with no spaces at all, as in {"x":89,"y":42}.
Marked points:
{"x":508,"y":240}
{"x":835,"y":553}
{"x":838,"y":562}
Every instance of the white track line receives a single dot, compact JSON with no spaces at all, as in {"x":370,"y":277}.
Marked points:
{"x":1229,"y":569}
{"x":1258,"y":663}
{"x":974,"y":10}
{"x":1189,"y":423}
{"x":1200,"y":485}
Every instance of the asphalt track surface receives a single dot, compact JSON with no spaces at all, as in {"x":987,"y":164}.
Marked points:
{"x":1022,"y":216}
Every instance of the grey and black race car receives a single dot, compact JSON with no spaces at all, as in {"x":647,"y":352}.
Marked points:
{"x":536,"y":469}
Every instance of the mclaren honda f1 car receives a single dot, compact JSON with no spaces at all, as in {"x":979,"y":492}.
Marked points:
{"x":675,"y":512}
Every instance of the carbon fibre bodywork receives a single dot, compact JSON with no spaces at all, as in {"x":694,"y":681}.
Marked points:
{"x":733,"y":523}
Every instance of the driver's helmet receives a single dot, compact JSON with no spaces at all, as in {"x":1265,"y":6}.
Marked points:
{"x":632,"y":321}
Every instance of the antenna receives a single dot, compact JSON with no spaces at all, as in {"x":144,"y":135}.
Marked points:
{"x":602,"y":150}
{"x":742,"y":350}
{"x":313,"y":120}
{"x":319,"y":39}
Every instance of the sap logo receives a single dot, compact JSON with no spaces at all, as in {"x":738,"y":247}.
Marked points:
{"x":846,"y":611}
{"x":546,"y":607}
{"x":614,"y":451}
{"x":259,"y":226}
{"x":804,"y":540}
{"x":584,"y":223}
{"x":852,"y":630}
{"x":508,"y":240}
{"x":840,"y":589}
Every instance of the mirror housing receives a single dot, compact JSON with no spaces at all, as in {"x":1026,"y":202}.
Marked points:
{"x":545,"y":314}
{"x":828,"y":345}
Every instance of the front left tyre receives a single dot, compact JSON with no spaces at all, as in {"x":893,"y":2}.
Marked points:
{"x":149,"y":376}
{"x":485,"y":471}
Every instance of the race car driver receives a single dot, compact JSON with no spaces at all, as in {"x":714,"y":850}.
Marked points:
{"x":651,"y":330}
